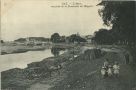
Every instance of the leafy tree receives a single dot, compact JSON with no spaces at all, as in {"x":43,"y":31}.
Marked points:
{"x":121,"y":14}
{"x":76,"y":38}
{"x":55,"y":38}
{"x":2,"y":41}
{"x":63,"y":39}
{"x":104,"y":36}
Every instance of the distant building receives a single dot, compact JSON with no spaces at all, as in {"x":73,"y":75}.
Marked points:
{"x":30,"y":41}
{"x":33,"y":41}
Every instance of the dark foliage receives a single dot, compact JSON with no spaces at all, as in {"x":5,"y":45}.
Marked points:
{"x":55,"y":38}
{"x":104,"y":36}
{"x":76,"y":38}
{"x":121,"y":15}
{"x":1,"y":41}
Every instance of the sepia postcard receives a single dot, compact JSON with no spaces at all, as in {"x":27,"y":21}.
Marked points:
{"x":67,"y":45}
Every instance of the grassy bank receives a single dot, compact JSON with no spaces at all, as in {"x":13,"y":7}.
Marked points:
{"x":79,"y":72}
{"x":84,"y":74}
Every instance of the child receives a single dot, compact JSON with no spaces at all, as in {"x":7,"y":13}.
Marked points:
{"x":106,"y":64}
{"x":103,"y":72}
{"x":109,"y":71}
{"x":116,"y":69}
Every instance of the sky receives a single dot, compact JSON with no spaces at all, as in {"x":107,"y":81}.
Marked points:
{"x":38,"y":18}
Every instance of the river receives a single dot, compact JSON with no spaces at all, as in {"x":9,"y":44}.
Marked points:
{"x":20,"y":60}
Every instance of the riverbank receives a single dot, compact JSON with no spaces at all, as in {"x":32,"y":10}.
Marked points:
{"x":20,"y":79}
{"x":79,"y":72}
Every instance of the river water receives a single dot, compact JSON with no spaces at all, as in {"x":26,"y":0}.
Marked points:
{"x":20,"y":60}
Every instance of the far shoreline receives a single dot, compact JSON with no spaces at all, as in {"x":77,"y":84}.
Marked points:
{"x":10,"y":49}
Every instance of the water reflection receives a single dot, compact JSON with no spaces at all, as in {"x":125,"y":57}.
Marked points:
{"x":20,"y":60}
{"x":56,"y":51}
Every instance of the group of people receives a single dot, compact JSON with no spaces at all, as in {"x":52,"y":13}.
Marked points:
{"x":109,"y":70}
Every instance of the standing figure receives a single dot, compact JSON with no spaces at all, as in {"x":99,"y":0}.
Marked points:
{"x":127,"y":58}
{"x":109,"y":71}
{"x":106,"y":64}
{"x":116,"y":69}
{"x":103,"y":72}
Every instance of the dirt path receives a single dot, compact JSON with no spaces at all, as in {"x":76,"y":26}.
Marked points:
{"x":39,"y":86}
